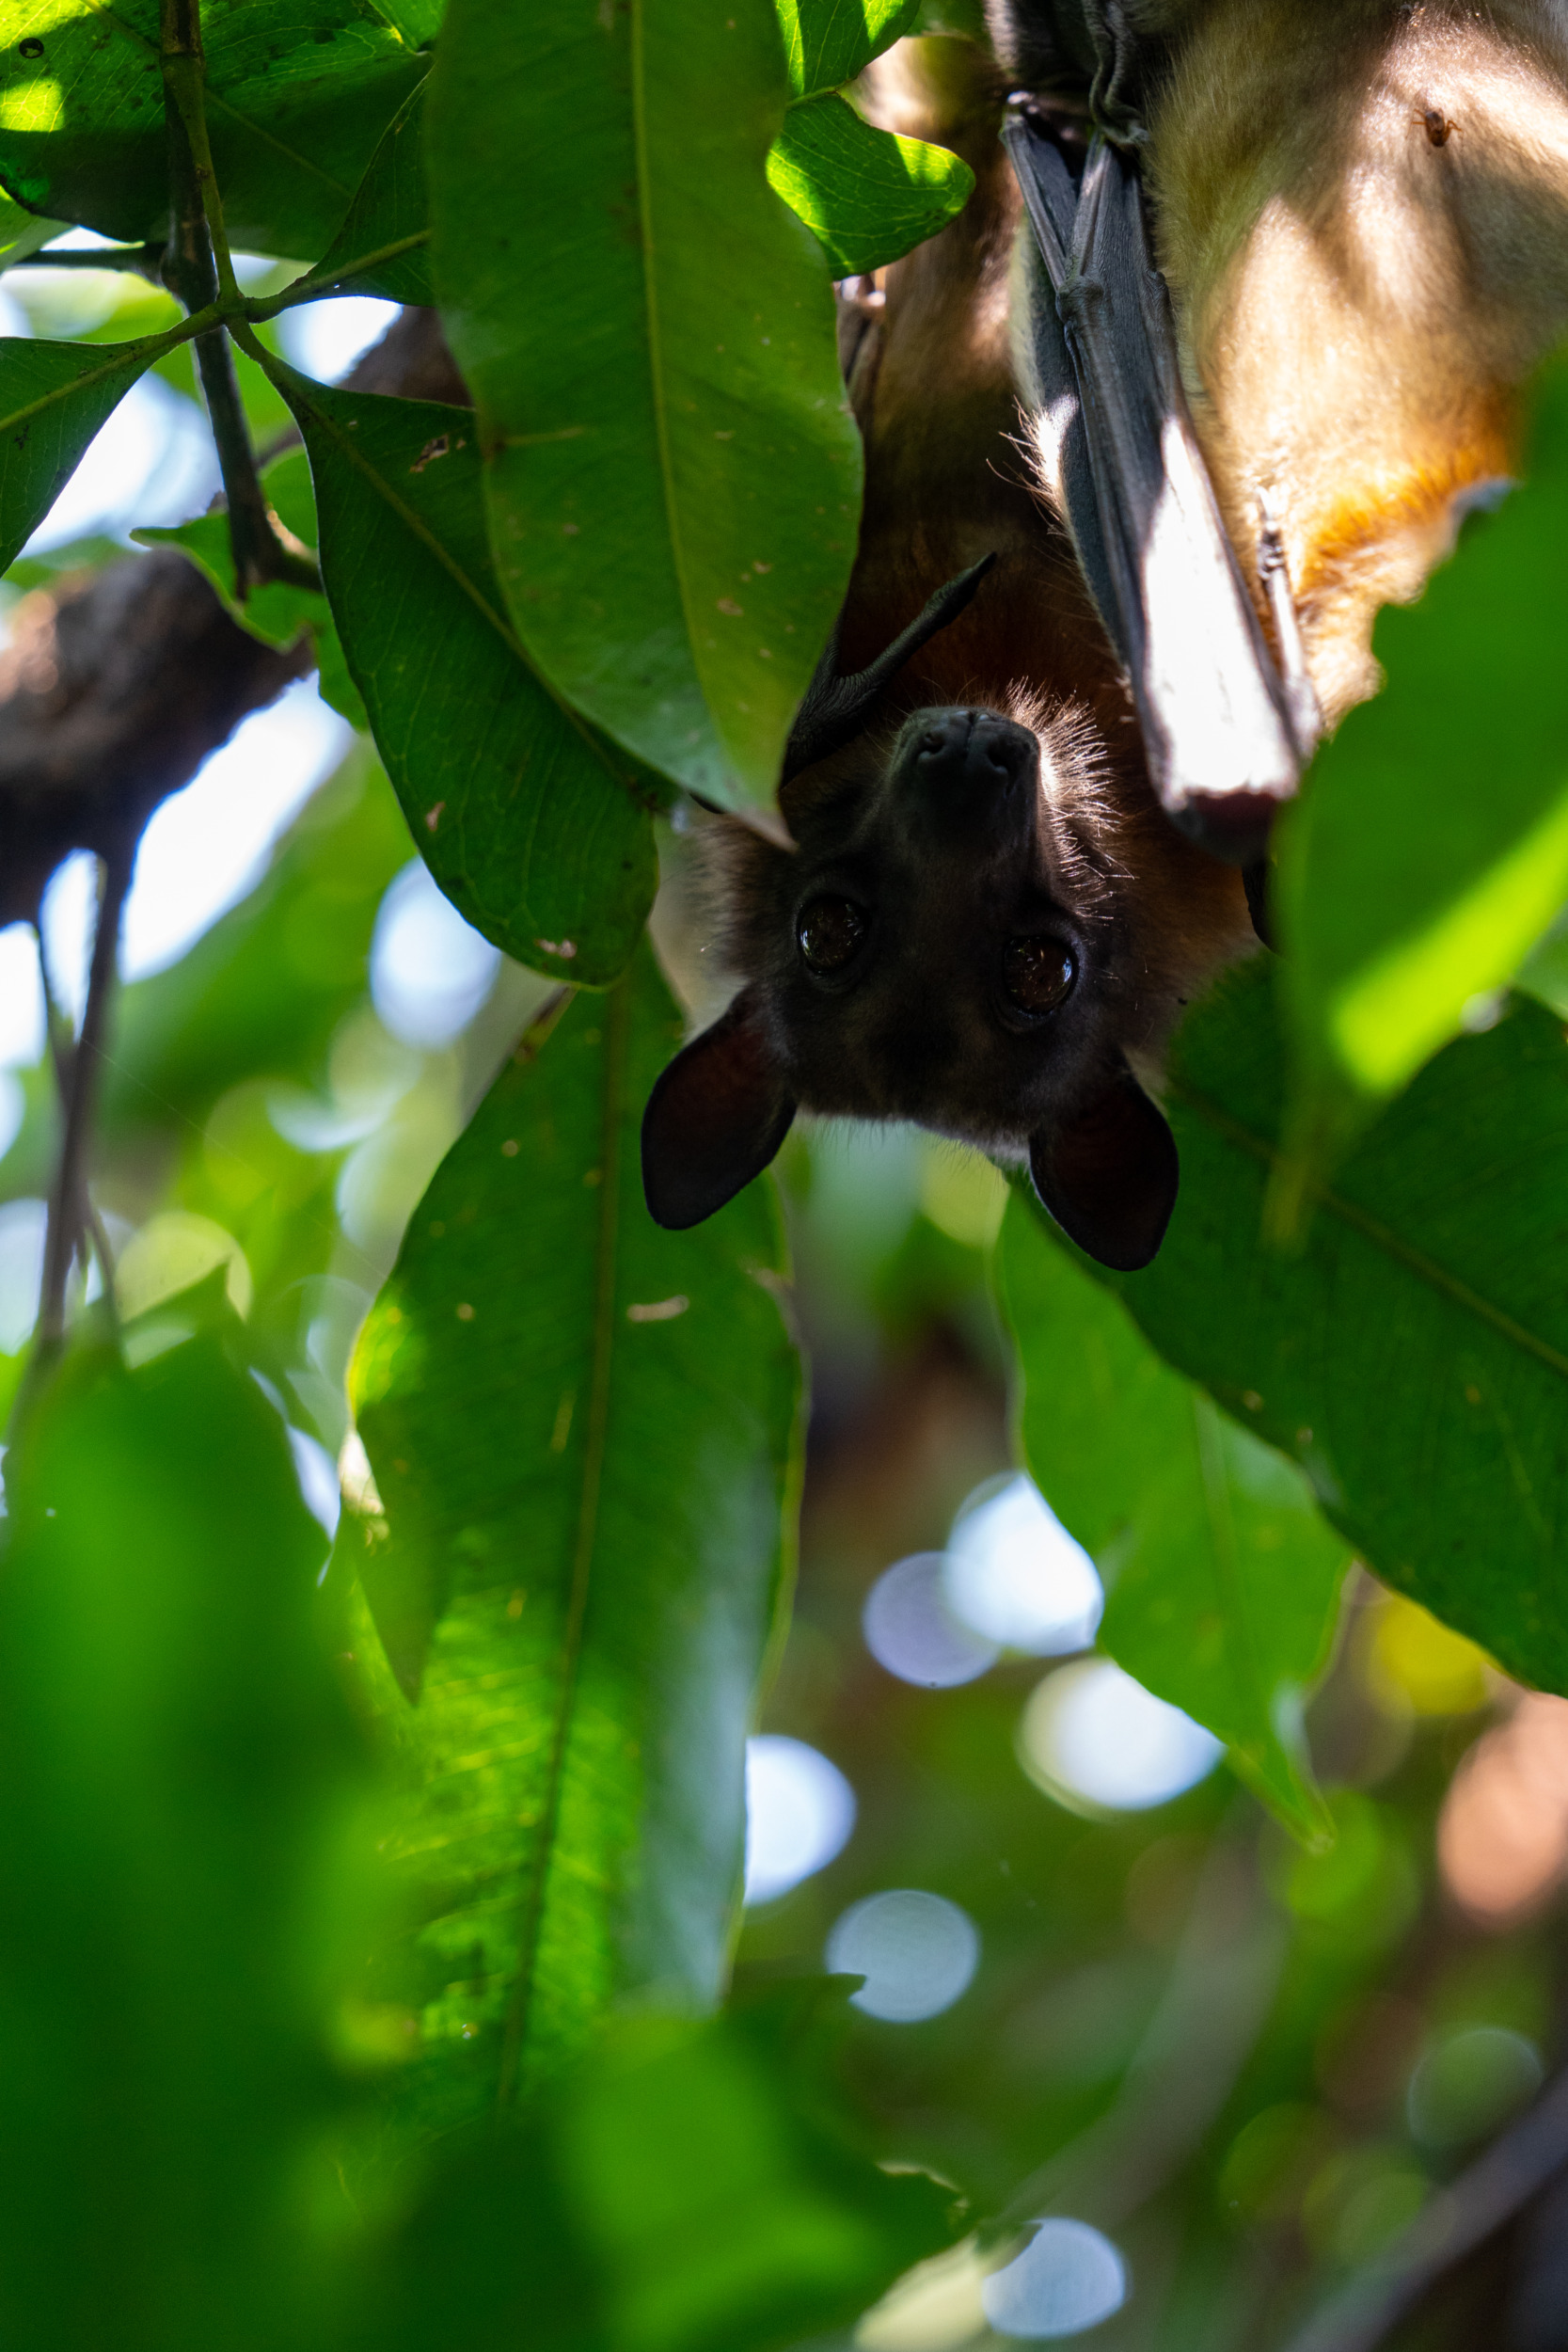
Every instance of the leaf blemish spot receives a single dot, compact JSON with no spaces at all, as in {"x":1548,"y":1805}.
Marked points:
{"x":728,"y":604}
{"x":562,"y":1423}
{"x":510,"y":1148}
{"x":29,"y":48}
{"x":564,"y":948}
{"x":1253,"y":1402}
{"x":594,"y":1176}
{"x":432,"y":816}
{"x":1304,"y":1437}
{"x":659,"y":1309}
{"x":1472,"y":1396}
{"x":432,"y":449}
{"x":465,"y":1313}
{"x":514,"y":1606}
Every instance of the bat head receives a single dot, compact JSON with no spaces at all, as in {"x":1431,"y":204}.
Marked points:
{"x":952,"y":940}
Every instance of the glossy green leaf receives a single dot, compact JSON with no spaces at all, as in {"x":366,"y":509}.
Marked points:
{"x":537,"y":829}
{"x":692,"y":2188}
{"x":1431,"y":849}
{"x":277,"y":613}
{"x":1223,"y":1582}
{"x":178,"y":1891}
{"x":673,"y":475}
{"x":52,"y":399}
{"x":826,"y":43}
{"x":297,"y":97}
{"x":1412,"y":1358}
{"x":581,"y":1428}
{"x":382,"y":246}
{"x":867,"y":195}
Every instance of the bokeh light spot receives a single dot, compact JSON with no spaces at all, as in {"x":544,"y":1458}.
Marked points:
{"x":911,"y":1630}
{"x":1092,"y":1736}
{"x":1469,"y":2082}
{"x":1070,"y":2276}
{"x":916,"y":1951}
{"x":1502,"y":1838}
{"x":1015,"y":1574}
{"x":800,"y":1811}
{"x":430,"y":970}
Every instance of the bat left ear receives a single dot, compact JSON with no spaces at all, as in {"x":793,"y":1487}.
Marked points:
{"x":715,"y":1120}
{"x":1110,"y":1176}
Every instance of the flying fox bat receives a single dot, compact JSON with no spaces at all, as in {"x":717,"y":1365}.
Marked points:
{"x":1021,"y":801}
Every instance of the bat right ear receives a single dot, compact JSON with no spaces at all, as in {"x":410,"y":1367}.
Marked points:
{"x":1110,"y":1176}
{"x":714,"y":1120}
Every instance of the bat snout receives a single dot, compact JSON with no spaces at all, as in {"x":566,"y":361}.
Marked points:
{"x":965,"y":766}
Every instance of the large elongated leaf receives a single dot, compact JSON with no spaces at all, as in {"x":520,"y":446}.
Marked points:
{"x":826,"y":43}
{"x":581,"y":1428}
{"x":298,"y":92}
{"x":536,"y":829}
{"x":691,"y":2188}
{"x":382,"y":247}
{"x":1223,"y":1579}
{"x":1414,"y":1356}
{"x":867,"y":195}
{"x":52,"y":399}
{"x":673,"y":475}
{"x":175,"y":1869}
{"x":1431,"y":849}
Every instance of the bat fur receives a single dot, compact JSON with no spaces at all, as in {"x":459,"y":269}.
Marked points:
{"x":1361,"y":211}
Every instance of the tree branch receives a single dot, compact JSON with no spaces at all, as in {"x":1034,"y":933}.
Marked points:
{"x":69,"y":1207}
{"x":199,"y":270}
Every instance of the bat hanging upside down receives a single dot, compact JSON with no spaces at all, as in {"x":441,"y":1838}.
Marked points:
{"x":1120,"y":555}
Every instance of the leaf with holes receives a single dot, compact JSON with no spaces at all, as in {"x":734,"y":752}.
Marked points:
{"x":582,"y":1432}
{"x":1408,"y":889}
{"x":382,"y":247}
{"x":52,"y":399}
{"x":298,"y":93}
{"x":1223,"y":1580}
{"x":867,"y":195}
{"x":537,"y":829}
{"x":673,"y":475}
{"x":1412,"y":1358}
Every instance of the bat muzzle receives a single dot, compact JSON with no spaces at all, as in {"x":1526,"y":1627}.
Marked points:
{"x":968,"y":773}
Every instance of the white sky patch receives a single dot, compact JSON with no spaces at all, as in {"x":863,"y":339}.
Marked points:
{"x":430,"y":970}
{"x":1015,"y":1574}
{"x":324,"y":339}
{"x":153,"y":461}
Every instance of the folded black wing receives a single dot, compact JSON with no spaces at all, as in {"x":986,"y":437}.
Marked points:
{"x":1226,"y":736}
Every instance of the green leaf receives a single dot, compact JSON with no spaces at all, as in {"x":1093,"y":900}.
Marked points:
{"x":691,"y":2188}
{"x":1431,"y":849}
{"x":387,"y":230}
{"x":582,"y":1432}
{"x":673,"y":475}
{"x":867,"y":195}
{"x":826,"y":43}
{"x":277,"y":613}
{"x":52,"y":399}
{"x":1412,"y":1358}
{"x":298,"y":93}
{"x":537,"y":829}
{"x":1223,"y":1582}
{"x":178,"y":1889}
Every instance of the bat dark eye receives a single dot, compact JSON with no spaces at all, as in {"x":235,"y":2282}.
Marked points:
{"x":1038,"y":974}
{"x":829,"y":931}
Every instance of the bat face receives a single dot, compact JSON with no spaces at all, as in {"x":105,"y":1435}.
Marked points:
{"x":944,"y":944}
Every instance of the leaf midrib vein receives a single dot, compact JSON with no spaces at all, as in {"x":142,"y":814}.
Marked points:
{"x":1426,"y":1269}
{"x":617,"y":1021}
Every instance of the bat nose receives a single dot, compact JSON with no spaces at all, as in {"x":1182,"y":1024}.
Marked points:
{"x":967,"y":764}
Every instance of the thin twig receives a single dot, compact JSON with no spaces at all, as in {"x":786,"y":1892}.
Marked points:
{"x":1458,"y":2220}
{"x":199,"y":269}
{"x":68,"y":1206}
{"x":62,"y":1054}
